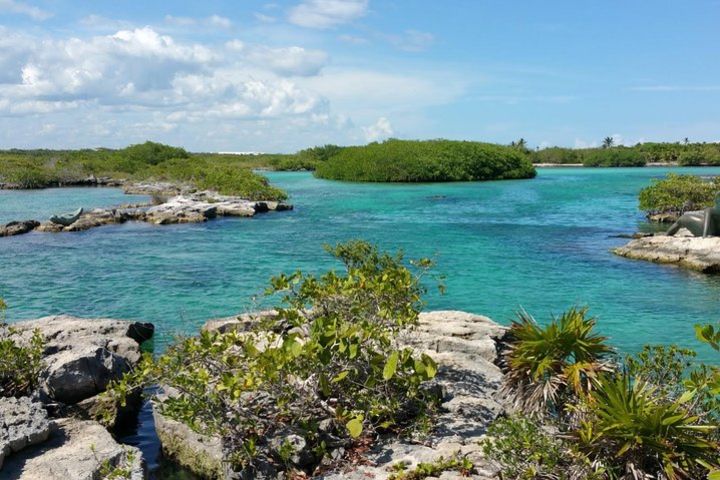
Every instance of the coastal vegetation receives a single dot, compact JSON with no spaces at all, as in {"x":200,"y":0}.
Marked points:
{"x":676,"y":194}
{"x":610,"y":155}
{"x":149,"y":161}
{"x":652,"y":415}
{"x":327,"y":371}
{"x":426,"y":161}
{"x":20,"y":361}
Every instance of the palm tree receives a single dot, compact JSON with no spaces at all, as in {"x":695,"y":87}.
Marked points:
{"x":608,"y":142}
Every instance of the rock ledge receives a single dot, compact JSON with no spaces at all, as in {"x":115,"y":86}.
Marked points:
{"x":694,"y":253}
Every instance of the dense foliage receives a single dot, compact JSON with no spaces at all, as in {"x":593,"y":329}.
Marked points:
{"x":678,"y":194}
{"x":326,"y":370}
{"x":20,"y":359}
{"x":228,"y":174}
{"x":636,"y":156}
{"x":426,"y":161}
{"x":655,"y":415}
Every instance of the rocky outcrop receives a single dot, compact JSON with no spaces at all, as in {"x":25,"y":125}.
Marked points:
{"x":463,"y":344}
{"x":18,"y":228}
{"x":83,"y":355}
{"x":695,"y":253}
{"x":183,"y":206}
{"x":77,"y":450}
{"x":23,"y":423}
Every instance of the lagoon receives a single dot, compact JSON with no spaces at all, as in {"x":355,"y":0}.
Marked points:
{"x":541,"y":244}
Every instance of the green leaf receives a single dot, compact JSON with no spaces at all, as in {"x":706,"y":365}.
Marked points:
{"x":714,"y":475}
{"x":340,"y":376}
{"x":430,"y":366}
{"x":355,"y":427}
{"x":390,"y":366}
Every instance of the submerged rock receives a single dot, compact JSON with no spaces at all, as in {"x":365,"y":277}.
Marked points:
{"x":77,"y":450}
{"x":695,"y":253}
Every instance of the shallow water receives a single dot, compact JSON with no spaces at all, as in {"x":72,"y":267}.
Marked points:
{"x":42,"y":204}
{"x":541,"y":244}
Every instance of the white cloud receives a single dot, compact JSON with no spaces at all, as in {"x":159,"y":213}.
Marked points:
{"x":22,"y":8}
{"x":289,"y":60}
{"x":380,"y":130}
{"x":327,"y":13}
{"x":261,"y":17}
{"x":213,"y":21}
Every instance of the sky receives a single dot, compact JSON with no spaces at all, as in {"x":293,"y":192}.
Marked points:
{"x":278,"y":76}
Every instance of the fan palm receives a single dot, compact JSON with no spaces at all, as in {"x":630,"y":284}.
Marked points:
{"x":542,"y":364}
{"x":637,"y":434}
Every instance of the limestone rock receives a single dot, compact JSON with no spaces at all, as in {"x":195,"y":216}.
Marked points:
{"x":78,"y":450}
{"x":18,"y":228}
{"x":695,"y":253}
{"x":237,"y":323}
{"x":83,"y":355}
{"x":201,"y":454}
{"x":23,"y":422}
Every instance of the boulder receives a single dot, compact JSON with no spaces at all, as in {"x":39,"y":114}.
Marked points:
{"x":83,"y":355}
{"x":18,"y":228}
{"x":23,"y":423}
{"x":695,"y":253}
{"x":77,"y":450}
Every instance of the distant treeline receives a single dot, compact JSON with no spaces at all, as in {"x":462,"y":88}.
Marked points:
{"x":425,"y":161}
{"x":687,"y":154}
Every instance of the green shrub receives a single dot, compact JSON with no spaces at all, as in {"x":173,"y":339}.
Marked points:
{"x":329,"y":367}
{"x":426,"y":161}
{"x":457,"y":463}
{"x":523,"y":449}
{"x":152,"y":153}
{"x":631,"y":430}
{"x":20,"y":359}
{"x":613,"y":157}
{"x":545,"y":364}
{"x":556,"y":155}
{"x":678,"y":194}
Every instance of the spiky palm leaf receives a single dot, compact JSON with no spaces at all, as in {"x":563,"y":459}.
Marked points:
{"x":543,"y":363}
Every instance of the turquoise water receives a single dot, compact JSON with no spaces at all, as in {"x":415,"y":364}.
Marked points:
{"x":540,"y":244}
{"x":41,"y":204}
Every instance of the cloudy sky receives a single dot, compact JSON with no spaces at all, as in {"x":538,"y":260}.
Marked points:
{"x":282,"y":75}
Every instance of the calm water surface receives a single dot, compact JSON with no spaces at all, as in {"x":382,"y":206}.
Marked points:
{"x":541,"y":244}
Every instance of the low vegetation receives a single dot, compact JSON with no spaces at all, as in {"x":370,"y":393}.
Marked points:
{"x":326,"y":372}
{"x":686,"y":154}
{"x":228,"y":174}
{"x":426,"y":161}
{"x":653,"y":415}
{"x":20,"y":359}
{"x":678,"y":194}
{"x":456,"y":463}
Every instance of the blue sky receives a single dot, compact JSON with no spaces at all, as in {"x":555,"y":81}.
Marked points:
{"x":282,"y":75}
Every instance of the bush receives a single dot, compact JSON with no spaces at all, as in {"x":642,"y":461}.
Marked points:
{"x":523,"y":449}
{"x":657,"y":416}
{"x":556,"y":155}
{"x":614,"y":157}
{"x":545,"y":364}
{"x":426,"y":161}
{"x":327,"y":369}
{"x":678,"y":194}
{"x":20,"y":359}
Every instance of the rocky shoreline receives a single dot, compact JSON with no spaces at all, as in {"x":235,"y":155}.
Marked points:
{"x":172,"y":204}
{"x":694,"y":253}
{"x":54,"y":435}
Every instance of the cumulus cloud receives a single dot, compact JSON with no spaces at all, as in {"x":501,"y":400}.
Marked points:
{"x":327,"y":13}
{"x":380,"y":130}
{"x":22,"y":8}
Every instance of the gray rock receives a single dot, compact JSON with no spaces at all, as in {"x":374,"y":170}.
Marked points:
{"x":83,"y":355}
{"x":77,"y":450}
{"x":23,"y":422}
{"x":695,"y":253}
